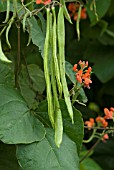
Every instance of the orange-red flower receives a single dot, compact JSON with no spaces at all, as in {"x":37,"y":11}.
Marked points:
{"x":101,"y":121}
{"x":90,"y":123}
{"x":73,"y":8}
{"x":83,"y":75}
{"x":45,"y":2}
{"x":75,"y":67}
{"x":109,"y":114}
{"x":105,"y":137}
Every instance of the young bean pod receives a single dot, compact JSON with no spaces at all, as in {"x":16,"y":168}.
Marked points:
{"x":7,"y":12}
{"x":67,"y":16}
{"x":46,"y":70}
{"x":61,"y":45}
{"x":7,"y":31}
{"x":78,"y":21}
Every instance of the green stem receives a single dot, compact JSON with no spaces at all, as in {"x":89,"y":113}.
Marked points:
{"x":91,"y":137}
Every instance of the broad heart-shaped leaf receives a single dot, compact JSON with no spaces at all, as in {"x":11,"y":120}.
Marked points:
{"x":74,"y":131}
{"x":45,"y":155}
{"x":103,"y":59}
{"x":100,"y":9}
{"x":37,"y":35}
{"x":8,"y":159}
{"x":17,"y":124}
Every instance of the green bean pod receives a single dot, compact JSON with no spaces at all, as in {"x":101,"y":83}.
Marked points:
{"x":46,"y":70}
{"x":54,"y":43}
{"x":7,"y":31}
{"x":78,"y":21}
{"x":67,"y":16}
{"x":24,"y":21}
{"x":54,"y":73}
{"x":61,"y":45}
{"x":7,"y":12}
{"x":57,"y":110}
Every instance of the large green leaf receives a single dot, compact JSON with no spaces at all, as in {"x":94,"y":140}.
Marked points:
{"x":17,"y":124}
{"x":45,"y":155}
{"x":103,"y":59}
{"x":37,"y":35}
{"x":8,"y":159}
{"x":74,"y":131}
{"x":101,"y":9}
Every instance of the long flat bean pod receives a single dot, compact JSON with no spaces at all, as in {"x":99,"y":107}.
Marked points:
{"x":54,"y":51}
{"x":61,"y":45}
{"x":54,"y":72}
{"x":46,"y":70}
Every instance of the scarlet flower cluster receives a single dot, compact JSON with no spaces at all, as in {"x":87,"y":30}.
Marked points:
{"x":102,"y":121}
{"x":83,"y":75}
{"x":73,"y":8}
{"x":109,"y":114}
{"x":45,"y":2}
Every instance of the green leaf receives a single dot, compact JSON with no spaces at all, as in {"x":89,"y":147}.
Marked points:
{"x":17,"y":124}
{"x":74,"y":131}
{"x":8,"y":159}
{"x":45,"y":155}
{"x":32,"y":83}
{"x":37,"y":35}
{"x":89,"y":164}
{"x":37,"y":76}
{"x":6,"y":74}
{"x":69,"y":72}
{"x":100,"y":10}
{"x":43,"y":22}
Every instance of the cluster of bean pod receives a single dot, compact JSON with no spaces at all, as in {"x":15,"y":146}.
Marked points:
{"x":54,"y":70}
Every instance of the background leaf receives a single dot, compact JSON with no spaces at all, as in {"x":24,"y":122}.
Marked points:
{"x":36,"y":32}
{"x":104,"y":155}
{"x":100,"y":9}
{"x":103,"y":59}
{"x":8,"y":159}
